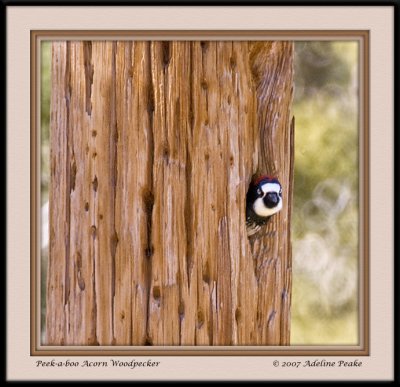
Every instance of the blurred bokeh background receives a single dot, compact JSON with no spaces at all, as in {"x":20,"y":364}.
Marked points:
{"x":325,"y":212}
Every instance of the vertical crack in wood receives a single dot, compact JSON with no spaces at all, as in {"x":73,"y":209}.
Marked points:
{"x":286,"y":293}
{"x":224,"y":287}
{"x":114,"y":177}
{"x":127,"y":98}
{"x":149,"y":197}
{"x":89,"y":71}
{"x":191,"y":90}
{"x":68,"y":133}
{"x":188,"y":171}
{"x":94,"y":290}
{"x":203,"y":83}
{"x":166,"y":54}
{"x":166,"y":102}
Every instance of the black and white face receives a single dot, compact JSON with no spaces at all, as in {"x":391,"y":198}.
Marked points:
{"x":269,"y":200}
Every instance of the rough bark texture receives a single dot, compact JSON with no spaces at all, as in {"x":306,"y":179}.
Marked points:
{"x":153,"y":146}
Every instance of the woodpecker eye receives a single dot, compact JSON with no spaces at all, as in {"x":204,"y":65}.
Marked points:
{"x":259,"y":193}
{"x":280,"y":192}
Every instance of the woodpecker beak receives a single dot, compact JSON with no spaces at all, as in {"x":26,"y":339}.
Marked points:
{"x":271,"y":199}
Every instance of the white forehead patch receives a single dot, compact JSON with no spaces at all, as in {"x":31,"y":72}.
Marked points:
{"x":271,"y":187}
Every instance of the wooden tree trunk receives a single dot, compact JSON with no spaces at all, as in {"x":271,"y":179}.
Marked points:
{"x":153,"y":146}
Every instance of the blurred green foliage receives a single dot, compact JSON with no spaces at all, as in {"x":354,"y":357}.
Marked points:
{"x":325,"y":211}
{"x":325,"y":214}
{"x":45,"y":62}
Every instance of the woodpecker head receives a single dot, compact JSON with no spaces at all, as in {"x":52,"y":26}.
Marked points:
{"x":264,"y":196}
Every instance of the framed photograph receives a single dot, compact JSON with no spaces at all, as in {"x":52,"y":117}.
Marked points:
{"x":201,"y":192}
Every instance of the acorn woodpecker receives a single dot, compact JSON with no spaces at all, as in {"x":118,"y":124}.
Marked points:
{"x":263,"y":199}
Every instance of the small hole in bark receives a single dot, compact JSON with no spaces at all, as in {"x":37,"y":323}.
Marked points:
{"x":81,"y":284}
{"x":78,"y":259}
{"x":200,"y":319}
{"x":149,"y":251}
{"x":148,"y":199}
{"x":204,"y":46}
{"x":73,"y":175}
{"x":165,"y":152}
{"x":181,"y":309}
{"x":95,"y":184}
{"x":238,"y":315}
{"x":206,"y":274}
{"x":232,"y":62}
{"x":93,"y":231}
{"x":156,"y":292}
{"x":166,"y":50}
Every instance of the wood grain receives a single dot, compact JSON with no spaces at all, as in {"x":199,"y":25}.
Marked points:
{"x":153,"y":146}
